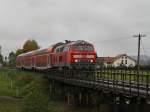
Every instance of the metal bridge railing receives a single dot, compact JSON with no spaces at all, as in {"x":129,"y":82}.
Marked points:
{"x":122,"y":81}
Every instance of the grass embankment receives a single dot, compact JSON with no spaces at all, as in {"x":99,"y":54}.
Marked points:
{"x":17,"y":90}
{"x":11,"y":97}
{"x":6,"y":84}
{"x":8,"y":100}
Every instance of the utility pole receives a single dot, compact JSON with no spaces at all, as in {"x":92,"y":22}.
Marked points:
{"x":139,"y":36}
{"x":0,"y":49}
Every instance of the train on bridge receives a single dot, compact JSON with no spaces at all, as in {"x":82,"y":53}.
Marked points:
{"x":69,"y":55}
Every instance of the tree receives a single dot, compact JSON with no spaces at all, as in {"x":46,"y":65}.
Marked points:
{"x":1,"y":58}
{"x":0,"y":49}
{"x":30,"y":45}
{"x":19,"y":51}
{"x":12,"y":58}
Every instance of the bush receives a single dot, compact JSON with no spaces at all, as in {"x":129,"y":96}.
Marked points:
{"x":24,"y":79}
{"x":39,"y":84}
{"x":34,"y":90}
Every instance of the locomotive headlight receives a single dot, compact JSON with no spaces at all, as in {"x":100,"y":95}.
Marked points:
{"x":91,"y":61}
{"x":76,"y":60}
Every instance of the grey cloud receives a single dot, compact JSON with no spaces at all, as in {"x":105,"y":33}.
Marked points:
{"x":97,"y":21}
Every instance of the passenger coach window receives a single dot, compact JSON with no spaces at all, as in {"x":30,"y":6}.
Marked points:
{"x":60,"y":49}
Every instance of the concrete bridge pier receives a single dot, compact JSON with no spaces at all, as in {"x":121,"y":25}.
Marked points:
{"x":56,"y":90}
{"x":52,"y":88}
{"x":76,"y":96}
{"x":81,"y":97}
{"x":70,"y":98}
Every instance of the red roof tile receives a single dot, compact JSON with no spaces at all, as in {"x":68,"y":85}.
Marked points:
{"x":107,"y":59}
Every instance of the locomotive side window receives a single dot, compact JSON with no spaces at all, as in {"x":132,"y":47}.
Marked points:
{"x":60,"y":49}
{"x":57,"y":50}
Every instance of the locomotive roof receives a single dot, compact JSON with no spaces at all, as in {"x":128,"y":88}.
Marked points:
{"x":56,"y":45}
{"x":79,"y":42}
{"x":74,"y":42}
{"x":52,"y":47}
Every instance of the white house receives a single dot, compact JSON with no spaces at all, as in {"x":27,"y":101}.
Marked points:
{"x":119,"y":60}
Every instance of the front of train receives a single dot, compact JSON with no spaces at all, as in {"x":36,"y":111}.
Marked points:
{"x":83,"y":55}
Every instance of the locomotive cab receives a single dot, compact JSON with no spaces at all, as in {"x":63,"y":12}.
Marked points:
{"x":83,"y":55}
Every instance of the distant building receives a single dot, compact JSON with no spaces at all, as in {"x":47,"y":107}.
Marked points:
{"x":119,"y":60}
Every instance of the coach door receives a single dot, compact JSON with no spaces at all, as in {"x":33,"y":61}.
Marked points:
{"x":32,"y":61}
{"x":49,"y":61}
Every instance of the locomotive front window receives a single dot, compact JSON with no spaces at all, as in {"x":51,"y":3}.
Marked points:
{"x":66,"y":48}
{"x":83,"y":48}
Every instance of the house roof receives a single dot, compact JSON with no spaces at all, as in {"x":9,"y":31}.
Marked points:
{"x":110,"y":60}
{"x":118,"y":56}
{"x":107,"y":59}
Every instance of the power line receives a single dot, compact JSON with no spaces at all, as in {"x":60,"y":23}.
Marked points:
{"x":114,"y":39}
{"x":145,"y":52}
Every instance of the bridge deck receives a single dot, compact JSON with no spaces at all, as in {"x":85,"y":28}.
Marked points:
{"x":126,"y":84}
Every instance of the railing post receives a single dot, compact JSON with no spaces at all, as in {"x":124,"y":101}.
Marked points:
{"x":130,"y":82}
{"x":121,"y":74}
{"x":138,"y":83}
{"x":103,"y":74}
{"x":114,"y":80}
{"x":123,"y":80}
{"x":99,"y":74}
{"x":142,"y":76}
{"x":94,"y":76}
{"x":147,"y":85}
{"x":108,"y":78}
{"x":111,"y":74}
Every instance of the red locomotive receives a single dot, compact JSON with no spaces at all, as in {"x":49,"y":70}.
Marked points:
{"x":70,"y":55}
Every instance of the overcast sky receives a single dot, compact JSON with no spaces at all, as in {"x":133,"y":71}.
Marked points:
{"x":108,"y":24}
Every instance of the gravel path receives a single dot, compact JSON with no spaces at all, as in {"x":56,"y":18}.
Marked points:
{"x":9,"y":98}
